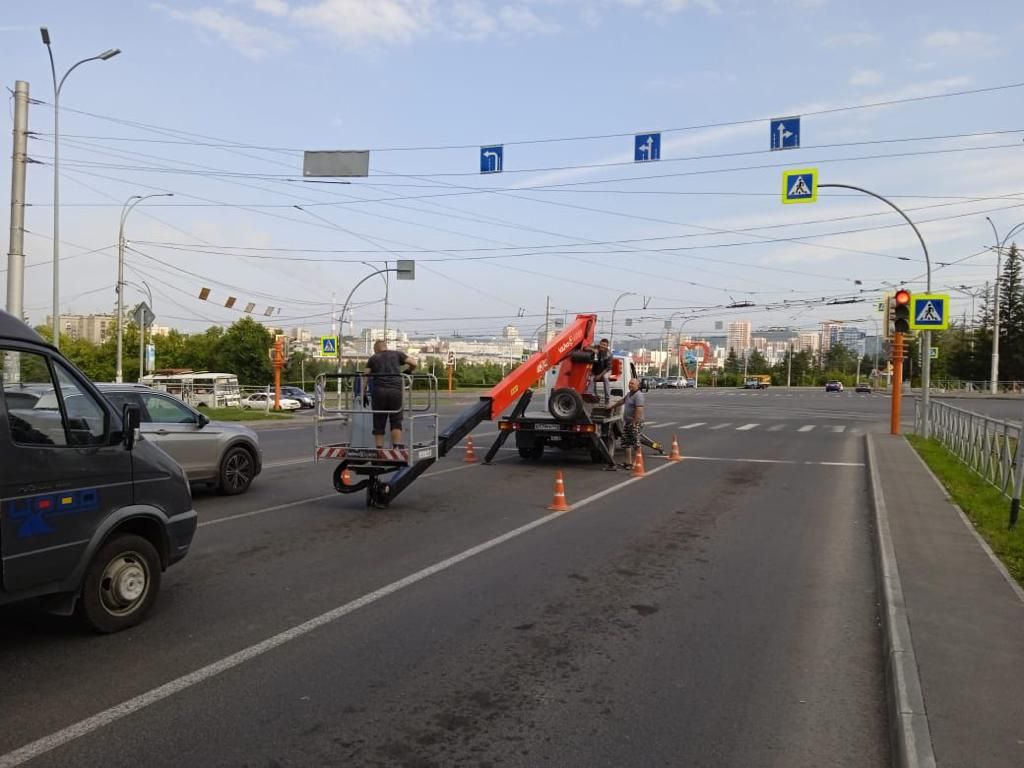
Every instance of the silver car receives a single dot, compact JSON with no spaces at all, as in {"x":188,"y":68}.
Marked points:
{"x":224,"y":455}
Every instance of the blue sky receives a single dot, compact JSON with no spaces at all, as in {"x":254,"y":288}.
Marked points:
{"x":688,"y":232}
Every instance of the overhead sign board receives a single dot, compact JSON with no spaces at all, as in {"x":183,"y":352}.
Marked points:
{"x":336,"y":163}
{"x":406,"y":269}
{"x":492,"y":158}
{"x":785,"y":133}
{"x":929,"y":311}
{"x":800,"y":186}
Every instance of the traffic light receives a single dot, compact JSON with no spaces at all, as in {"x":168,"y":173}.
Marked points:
{"x":901,"y":312}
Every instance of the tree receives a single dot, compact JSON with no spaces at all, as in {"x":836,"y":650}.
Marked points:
{"x":244,"y":349}
{"x":840,"y":358}
{"x":756,"y":363}
{"x":1011,"y":317}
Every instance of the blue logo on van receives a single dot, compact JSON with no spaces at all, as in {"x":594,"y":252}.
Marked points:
{"x":35,"y":513}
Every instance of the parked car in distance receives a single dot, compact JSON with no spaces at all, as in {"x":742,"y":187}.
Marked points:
{"x":297,"y":393}
{"x":670,"y":384}
{"x":755,"y":384}
{"x":265,"y":400}
{"x":863,"y":388}
{"x":833,"y":386}
{"x":224,"y":455}
{"x":689,"y":383}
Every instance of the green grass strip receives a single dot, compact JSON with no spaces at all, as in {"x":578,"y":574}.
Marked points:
{"x":983,"y":504}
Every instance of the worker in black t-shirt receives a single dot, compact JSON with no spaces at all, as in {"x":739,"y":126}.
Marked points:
{"x":601,"y":368}
{"x":386,"y":366}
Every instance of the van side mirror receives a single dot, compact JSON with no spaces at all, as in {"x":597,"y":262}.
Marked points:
{"x":131,"y":418}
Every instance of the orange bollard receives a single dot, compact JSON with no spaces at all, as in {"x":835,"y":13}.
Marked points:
{"x":558,"y":503}
{"x":638,"y":464}
{"x":675,"y":455}
{"x":470,"y":455}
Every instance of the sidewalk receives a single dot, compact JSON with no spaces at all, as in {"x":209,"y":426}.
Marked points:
{"x":966,"y":622}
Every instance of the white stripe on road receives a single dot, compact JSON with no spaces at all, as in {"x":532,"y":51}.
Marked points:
{"x":745,"y":427}
{"x":131,"y":706}
{"x":695,"y":424}
{"x":279,"y":507}
{"x":776,"y":427}
{"x":722,"y":426}
{"x":771,"y":461}
{"x":839,"y":428}
{"x":664,"y":424}
{"x":806,"y":428}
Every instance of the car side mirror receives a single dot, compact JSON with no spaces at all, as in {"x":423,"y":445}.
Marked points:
{"x":131,"y":418}
{"x":203,"y":420}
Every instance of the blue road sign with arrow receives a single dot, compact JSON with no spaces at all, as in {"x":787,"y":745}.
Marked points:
{"x":785,"y":133}
{"x":646,"y":147}
{"x":491,"y":158}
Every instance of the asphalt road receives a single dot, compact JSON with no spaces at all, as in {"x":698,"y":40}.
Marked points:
{"x":719,"y":612}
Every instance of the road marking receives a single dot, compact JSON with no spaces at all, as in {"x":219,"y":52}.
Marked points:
{"x":287,"y":505}
{"x":287,"y":463}
{"x":772,"y":461}
{"x":665,"y":424}
{"x":806,"y":428}
{"x":695,"y":424}
{"x":131,"y":706}
{"x":839,"y":428}
{"x":776,"y":427}
{"x":745,"y":427}
{"x":722,"y":426}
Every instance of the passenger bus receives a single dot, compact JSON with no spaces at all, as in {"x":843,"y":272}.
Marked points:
{"x":200,"y":390}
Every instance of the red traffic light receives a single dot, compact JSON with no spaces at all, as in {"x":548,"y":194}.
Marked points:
{"x":902,"y":297}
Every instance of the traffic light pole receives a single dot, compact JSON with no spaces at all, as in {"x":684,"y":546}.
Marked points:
{"x":897,"y":383}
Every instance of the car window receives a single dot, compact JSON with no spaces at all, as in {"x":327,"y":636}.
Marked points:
{"x":120,"y":399}
{"x":86,"y":418}
{"x":164,"y":410}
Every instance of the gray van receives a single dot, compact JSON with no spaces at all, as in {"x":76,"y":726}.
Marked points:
{"x":89,"y":515}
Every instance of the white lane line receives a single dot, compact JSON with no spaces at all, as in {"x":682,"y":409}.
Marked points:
{"x":695,"y":424}
{"x":124,"y":709}
{"x":663,"y":424}
{"x":773,"y":461}
{"x":745,"y":427}
{"x":839,"y":428}
{"x":806,"y":428}
{"x":722,"y":426}
{"x":287,"y":463}
{"x":290,"y":504}
{"x":776,"y":427}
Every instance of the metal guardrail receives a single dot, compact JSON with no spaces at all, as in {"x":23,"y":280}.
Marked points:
{"x":984,"y":444}
{"x":979,"y":387}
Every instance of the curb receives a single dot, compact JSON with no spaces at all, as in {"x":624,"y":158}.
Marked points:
{"x":909,"y":732}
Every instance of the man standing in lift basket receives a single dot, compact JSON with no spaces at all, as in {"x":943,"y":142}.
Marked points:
{"x":632,"y":420}
{"x":601,"y":368}
{"x":386,"y":393}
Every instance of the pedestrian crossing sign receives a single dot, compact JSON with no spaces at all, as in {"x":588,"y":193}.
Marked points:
{"x":328,"y":346}
{"x":800,"y":186}
{"x":929,"y":312}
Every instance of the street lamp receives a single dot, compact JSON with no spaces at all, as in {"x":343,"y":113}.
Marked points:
{"x":129,"y":204}
{"x":406,"y":270}
{"x":57,"y":86}
{"x":994,"y":384}
{"x":611,"y":333}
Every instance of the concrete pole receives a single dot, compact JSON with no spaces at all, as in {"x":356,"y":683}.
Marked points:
{"x":19,"y":158}
{"x":789,"y":368}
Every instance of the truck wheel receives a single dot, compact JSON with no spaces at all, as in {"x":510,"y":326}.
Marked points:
{"x":566,"y":404}
{"x":532,"y":452}
{"x":237,"y":469}
{"x":121,"y":584}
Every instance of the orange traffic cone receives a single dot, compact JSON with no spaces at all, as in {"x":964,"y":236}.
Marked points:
{"x":674,"y":455}
{"x":558,"y":503}
{"x":638,"y":463}
{"x":470,"y":455}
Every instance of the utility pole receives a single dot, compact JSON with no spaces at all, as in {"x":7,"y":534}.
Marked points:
{"x":547,"y":321}
{"x":789,"y":368}
{"x":19,"y":158}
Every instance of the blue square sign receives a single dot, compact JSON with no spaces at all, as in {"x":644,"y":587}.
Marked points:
{"x":785,"y":133}
{"x":491,"y":158}
{"x":646,"y":147}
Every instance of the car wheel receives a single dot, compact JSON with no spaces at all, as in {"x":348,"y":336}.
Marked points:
{"x":237,"y":470}
{"x":120,"y":585}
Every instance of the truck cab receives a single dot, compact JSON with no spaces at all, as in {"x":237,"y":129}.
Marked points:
{"x":90,"y":515}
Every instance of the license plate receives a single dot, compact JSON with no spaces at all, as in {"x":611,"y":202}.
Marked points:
{"x":546,"y":427}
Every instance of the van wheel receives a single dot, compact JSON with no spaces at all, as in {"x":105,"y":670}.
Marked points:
{"x":237,"y":470}
{"x":565,"y":404}
{"x":121,"y":584}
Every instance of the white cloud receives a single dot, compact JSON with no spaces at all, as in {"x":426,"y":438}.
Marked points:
{"x":520,"y":19}
{"x":277,"y":8}
{"x":865,"y":77}
{"x":964,"y":42}
{"x":472,"y":20}
{"x":251,"y":41}
{"x":361,"y":22}
{"x":852,"y":39}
